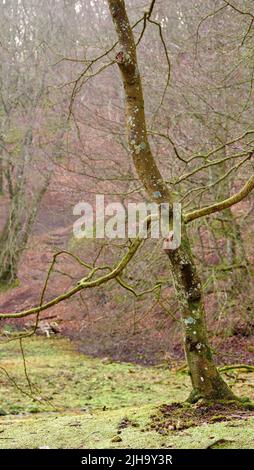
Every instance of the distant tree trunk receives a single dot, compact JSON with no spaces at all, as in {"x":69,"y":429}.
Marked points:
{"x":234,"y":250}
{"x":236,"y":254}
{"x":206,"y":380}
{"x":14,"y":237}
{"x":10,"y":242}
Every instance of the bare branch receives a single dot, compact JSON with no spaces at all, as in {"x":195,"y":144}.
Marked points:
{"x":219,"y":206}
{"x":86,"y":282}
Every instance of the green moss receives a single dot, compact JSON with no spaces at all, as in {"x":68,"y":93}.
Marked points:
{"x":217,"y":418}
{"x":68,"y":380}
{"x":98,"y":429}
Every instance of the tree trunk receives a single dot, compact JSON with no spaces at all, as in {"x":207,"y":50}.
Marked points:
{"x":10,"y":245}
{"x":16,"y":232}
{"x":206,"y":380}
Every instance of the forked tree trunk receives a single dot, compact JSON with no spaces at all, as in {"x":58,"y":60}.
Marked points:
{"x":206,"y":380}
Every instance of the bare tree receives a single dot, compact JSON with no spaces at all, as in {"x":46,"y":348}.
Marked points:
{"x":31,"y":128}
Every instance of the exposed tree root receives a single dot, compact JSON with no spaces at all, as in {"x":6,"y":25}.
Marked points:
{"x":179,"y":416}
{"x":241,"y":403}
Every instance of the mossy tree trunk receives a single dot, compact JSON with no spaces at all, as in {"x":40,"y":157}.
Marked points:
{"x":10,"y":243}
{"x":16,"y":232}
{"x":206,"y":380}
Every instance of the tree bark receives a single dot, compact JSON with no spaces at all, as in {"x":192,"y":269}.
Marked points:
{"x":16,"y":232}
{"x":9,"y":244}
{"x":206,"y":380}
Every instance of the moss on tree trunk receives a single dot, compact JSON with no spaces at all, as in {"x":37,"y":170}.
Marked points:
{"x":206,"y":380}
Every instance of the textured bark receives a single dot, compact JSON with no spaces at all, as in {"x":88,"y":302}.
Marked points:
{"x":139,"y":146}
{"x":206,"y":380}
{"x":16,"y":232}
{"x":10,"y":244}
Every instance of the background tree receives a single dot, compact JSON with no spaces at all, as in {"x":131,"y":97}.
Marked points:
{"x":32,"y":126}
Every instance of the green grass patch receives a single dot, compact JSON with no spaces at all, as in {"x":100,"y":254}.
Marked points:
{"x":82,"y":402}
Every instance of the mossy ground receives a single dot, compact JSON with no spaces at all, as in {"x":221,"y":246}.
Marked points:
{"x":82,"y":402}
{"x":179,"y":416}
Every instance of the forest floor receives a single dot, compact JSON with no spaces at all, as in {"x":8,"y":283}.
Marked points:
{"x":67,"y":400}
